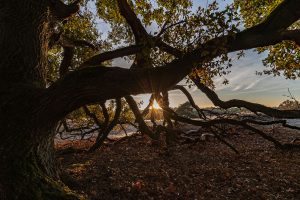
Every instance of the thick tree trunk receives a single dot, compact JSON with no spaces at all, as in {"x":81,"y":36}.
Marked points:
{"x":27,"y":164}
{"x":27,"y":167}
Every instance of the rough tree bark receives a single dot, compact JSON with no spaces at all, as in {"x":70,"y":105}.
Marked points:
{"x":27,"y":167}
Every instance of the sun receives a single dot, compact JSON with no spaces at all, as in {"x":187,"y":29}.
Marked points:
{"x":155,"y":105}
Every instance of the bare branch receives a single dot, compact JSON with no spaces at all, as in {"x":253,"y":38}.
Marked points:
{"x":68,"y":42}
{"x":131,"y":18}
{"x":93,"y":117}
{"x":282,"y":122}
{"x":254,"y":107}
{"x":139,"y":118}
{"x":191,"y":100}
{"x":165,"y":27}
{"x":100,"y":58}
{"x":225,"y":142}
{"x":146,"y":110}
{"x":244,"y":124}
{"x":103,"y":135}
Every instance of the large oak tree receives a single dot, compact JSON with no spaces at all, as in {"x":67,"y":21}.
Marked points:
{"x":31,"y":107}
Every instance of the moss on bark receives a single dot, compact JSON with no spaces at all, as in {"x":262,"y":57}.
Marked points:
{"x":25,"y":178}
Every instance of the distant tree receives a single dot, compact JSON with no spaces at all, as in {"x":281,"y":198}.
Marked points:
{"x":186,"y":110}
{"x":289,"y":105}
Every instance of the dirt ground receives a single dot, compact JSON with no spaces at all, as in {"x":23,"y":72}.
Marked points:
{"x":136,"y":169}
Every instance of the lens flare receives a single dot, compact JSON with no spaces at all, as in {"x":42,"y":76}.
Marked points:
{"x":155,"y":105}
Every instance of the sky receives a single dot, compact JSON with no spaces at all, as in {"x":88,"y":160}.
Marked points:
{"x":243,"y":81}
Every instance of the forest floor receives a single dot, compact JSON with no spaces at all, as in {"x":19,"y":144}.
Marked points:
{"x":136,"y":169}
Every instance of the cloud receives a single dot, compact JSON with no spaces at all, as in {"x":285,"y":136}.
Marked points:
{"x":175,"y":93}
{"x":237,"y":88}
{"x":252,"y":84}
{"x":194,"y":89}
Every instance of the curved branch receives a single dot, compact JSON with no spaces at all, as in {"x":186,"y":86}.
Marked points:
{"x":96,"y":84}
{"x":103,"y":135}
{"x":105,"y":114}
{"x":66,"y":62}
{"x":282,"y":17}
{"x":100,"y":58}
{"x":169,"y":49}
{"x":93,"y":117}
{"x":139,"y":118}
{"x":254,"y":107}
{"x":216,"y":135}
{"x":131,"y":18}
{"x":68,"y":42}
{"x":242,"y":123}
{"x":191,"y":100}
{"x":142,"y":58}
{"x":165,"y":27}
{"x":293,"y":35}
{"x":282,"y":122}
{"x":146,"y":110}
{"x":68,"y":52}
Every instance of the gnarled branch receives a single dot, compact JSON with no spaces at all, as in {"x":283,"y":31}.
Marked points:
{"x":131,"y":18}
{"x":100,"y":58}
{"x":139,"y":118}
{"x":103,"y":135}
{"x":97,"y":84}
{"x":254,"y":107}
{"x":243,"y":123}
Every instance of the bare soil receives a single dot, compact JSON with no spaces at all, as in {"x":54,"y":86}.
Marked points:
{"x":137,"y":169}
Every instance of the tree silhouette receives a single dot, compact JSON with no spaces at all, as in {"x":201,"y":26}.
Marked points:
{"x":37,"y":90}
